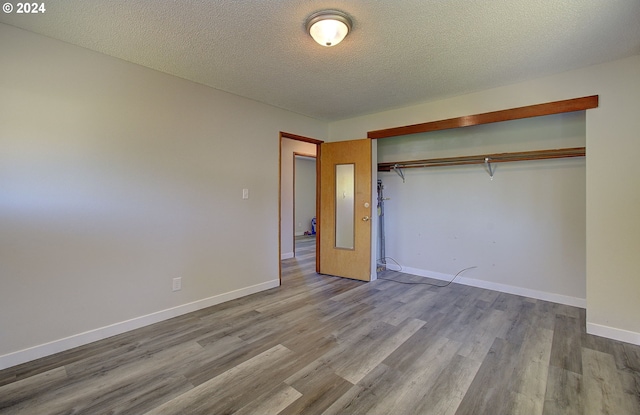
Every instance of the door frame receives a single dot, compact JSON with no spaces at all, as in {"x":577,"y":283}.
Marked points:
{"x":374,"y":228}
{"x":295,"y":160}
{"x":317,"y":143}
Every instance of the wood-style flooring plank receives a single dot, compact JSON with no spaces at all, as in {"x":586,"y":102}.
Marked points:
{"x":358,"y":358}
{"x":631,"y":357}
{"x":604,"y":393}
{"x":229,"y":387}
{"x":13,"y":394}
{"x":481,"y":337}
{"x":566,"y":351}
{"x":405,"y":355}
{"x":450,"y":387}
{"x":489,"y":393}
{"x":320,"y":387}
{"x":530,"y":375}
{"x":415,"y":383}
{"x":564,"y":393}
{"x":360,"y":398}
{"x":149,"y":380}
{"x":271,"y":402}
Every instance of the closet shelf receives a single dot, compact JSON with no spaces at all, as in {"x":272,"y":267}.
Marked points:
{"x":483,"y":159}
{"x":538,"y":110}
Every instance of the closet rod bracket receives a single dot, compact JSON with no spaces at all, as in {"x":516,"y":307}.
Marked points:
{"x":487,"y":163}
{"x":398,"y":169}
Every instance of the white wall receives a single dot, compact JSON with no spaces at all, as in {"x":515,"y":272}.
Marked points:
{"x":305,"y":194}
{"x":289,"y":147}
{"x":524,"y":230}
{"x":612,"y":170}
{"x":114,"y":179}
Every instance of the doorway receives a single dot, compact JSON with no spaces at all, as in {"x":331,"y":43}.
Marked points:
{"x":356,"y":260}
{"x":295,"y":148}
{"x":304,"y":201}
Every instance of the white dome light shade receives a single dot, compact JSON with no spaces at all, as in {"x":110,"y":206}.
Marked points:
{"x":328,"y":27}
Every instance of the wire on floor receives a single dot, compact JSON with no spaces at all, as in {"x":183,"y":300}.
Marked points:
{"x":383,"y":263}
{"x":428,"y":283}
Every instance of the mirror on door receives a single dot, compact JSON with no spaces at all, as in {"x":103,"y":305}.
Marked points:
{"x":345,"y":205}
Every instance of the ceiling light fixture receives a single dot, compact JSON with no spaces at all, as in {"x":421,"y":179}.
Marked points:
{"x":328,"y":27}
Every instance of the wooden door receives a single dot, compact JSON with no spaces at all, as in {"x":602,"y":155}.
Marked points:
{"x":345,"y":209}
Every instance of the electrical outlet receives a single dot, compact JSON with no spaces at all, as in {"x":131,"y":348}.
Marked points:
{"x":177,"y":284}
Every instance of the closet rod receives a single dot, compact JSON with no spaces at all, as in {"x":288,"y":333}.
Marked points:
{"x":482,"y":159}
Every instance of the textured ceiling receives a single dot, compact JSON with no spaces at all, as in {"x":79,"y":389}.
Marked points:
{"x":399,"y":52}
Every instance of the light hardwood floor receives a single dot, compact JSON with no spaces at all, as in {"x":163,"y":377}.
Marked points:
{"x":325,"y":345}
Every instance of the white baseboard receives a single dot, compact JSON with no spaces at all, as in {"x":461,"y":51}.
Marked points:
{"x":47,"y":349}
{"x":509,"y":289}
{"x":613,"y":333}
{"x":286,"y":255}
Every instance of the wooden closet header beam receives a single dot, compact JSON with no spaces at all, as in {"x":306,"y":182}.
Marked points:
{"x":549,"y":108}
